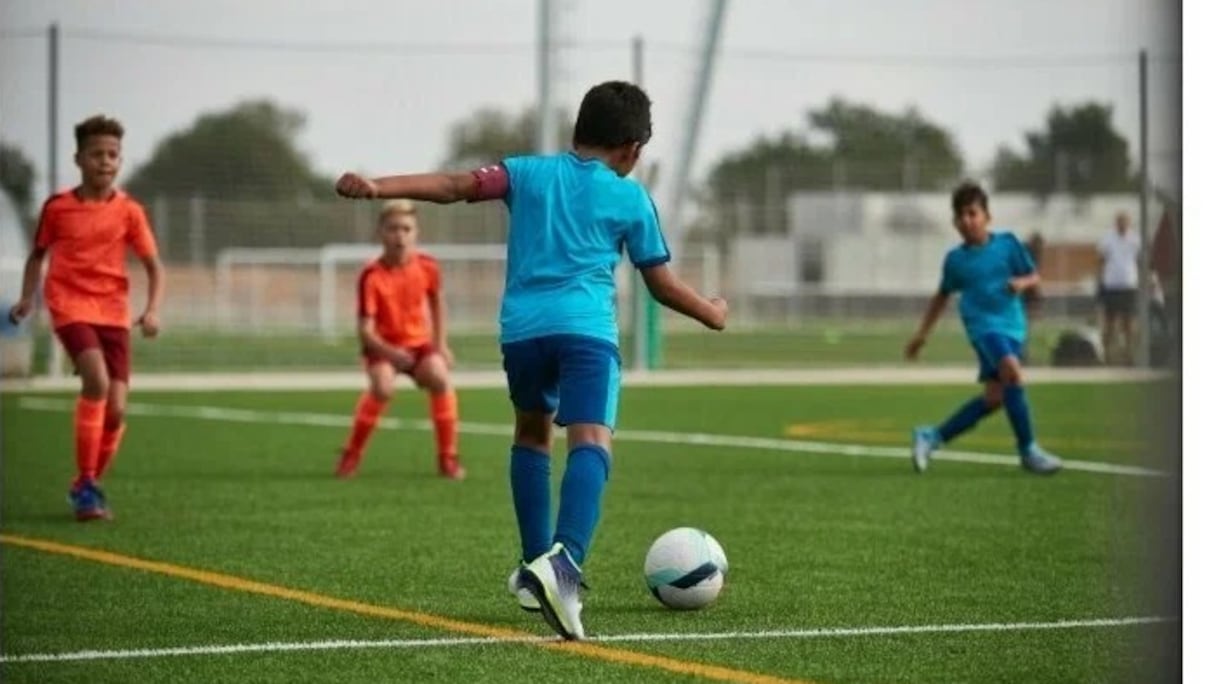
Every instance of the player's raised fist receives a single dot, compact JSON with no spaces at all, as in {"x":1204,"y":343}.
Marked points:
{"x":718,"y":322}
{"x":355,"y":186}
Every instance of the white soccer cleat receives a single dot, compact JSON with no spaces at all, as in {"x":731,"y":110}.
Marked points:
{"x":555,"y":580}
{"x":924,"y":441}
{"x":526,"y":600}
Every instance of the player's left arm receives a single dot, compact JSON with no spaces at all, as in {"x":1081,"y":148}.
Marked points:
{"x":149,"y":320}
{"x":486,"y":183}
{"x":439,"y":317}
{"x":1025,"y":274}
{"x":140,"y":237}
{"x":648,"y":252}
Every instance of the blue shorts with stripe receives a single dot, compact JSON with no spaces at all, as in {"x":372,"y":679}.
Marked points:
{"x":577,"y":376}
{"x":991,"y":348}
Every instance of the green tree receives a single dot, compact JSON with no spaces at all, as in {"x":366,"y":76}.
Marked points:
{"x":490,"y":134}
{"x":247,"y":151}
{"x":1078,"y":151}
{"x":17,"y":178}
{"x":874,"y":150}
{"x":747,"y":189}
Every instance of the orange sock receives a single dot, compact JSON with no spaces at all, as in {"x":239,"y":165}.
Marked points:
{"x":367,"y":414}
{"x":443,"y":417}
{"x":111,"y":437}
{"x":90,"y":420}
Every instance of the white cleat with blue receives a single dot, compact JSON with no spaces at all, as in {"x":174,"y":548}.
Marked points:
{"x":1040,"y":462}
{"x":526,"y":600}
{"x":556,"y":580}
{"x":924,"y":440}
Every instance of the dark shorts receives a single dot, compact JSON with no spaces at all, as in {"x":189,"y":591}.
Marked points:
{"x":1121,"y":302}
{"x":113,"y":341}
{"x":577,"y":376}
{"x":990,"y":349}
{"x":419,"y":353}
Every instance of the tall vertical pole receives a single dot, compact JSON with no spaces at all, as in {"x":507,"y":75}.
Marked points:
{"x":696,"y":113}
{"x":55,"y":357}
{"x":644,"y":308}
{"x":546,"y":133}
{"x":688,"y":146}
{"x":52,"y":110}
{"x":1143,"y":301}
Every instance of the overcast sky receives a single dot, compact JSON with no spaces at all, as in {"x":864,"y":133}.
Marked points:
{"x":986,"y":69}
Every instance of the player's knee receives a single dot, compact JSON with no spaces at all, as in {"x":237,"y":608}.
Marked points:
{"x":95,"y":383}
{"x":437,"y":382}
{"x":382,"y":391}
{"x":1010,"y":373}
{"x":582,"y":434}
{"x":534,"y":432}
{"x":116,"y":413}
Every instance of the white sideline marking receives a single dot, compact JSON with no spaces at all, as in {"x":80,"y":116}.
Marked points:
{"x":347,"y":644}
{"x":235,"y":415}
{"x":353,"y":379}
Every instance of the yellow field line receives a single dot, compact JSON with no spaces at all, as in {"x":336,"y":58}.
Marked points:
{"x":234,"y":583}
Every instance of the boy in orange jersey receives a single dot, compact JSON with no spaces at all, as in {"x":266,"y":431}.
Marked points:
{"x":87,"y":231}
{"x":402,"y":329}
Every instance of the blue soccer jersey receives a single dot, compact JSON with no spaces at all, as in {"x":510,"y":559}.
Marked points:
{"x":570,"y":220}
{"x":981,"y":275}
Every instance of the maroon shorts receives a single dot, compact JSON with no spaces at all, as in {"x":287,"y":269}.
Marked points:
{"x":419,"y":353}
{"x":113,"y":341}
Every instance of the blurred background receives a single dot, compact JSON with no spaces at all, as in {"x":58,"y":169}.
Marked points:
{"x":802,"y":160}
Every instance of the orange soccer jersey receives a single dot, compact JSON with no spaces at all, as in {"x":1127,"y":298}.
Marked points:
{"x":87,"y":278}
{"x":396,"y":298}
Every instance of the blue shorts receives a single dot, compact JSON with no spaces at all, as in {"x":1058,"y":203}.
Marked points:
{"x":991,"y":348}
{"x":579,"y":377}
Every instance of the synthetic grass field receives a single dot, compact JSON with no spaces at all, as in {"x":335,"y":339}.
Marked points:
{"x":963,"y":574}
{"x":826,"y":345}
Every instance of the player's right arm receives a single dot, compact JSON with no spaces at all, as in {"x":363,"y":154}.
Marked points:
{"x":32,"y":274}
{"x":667,"y":289}
{"x":29,"y":285}
{"x":934,"y":311}
{"x":489,"y":182}
{"x":375,"y":344}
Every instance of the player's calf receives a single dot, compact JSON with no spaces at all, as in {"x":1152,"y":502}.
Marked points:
{"x":431,"y":374}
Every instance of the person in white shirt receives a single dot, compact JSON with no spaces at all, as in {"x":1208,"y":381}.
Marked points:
{"x":1119,"y":253}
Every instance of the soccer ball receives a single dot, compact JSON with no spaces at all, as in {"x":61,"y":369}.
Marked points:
{"x":685,"y":568}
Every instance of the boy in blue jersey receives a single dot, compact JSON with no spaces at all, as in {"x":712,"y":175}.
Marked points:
{"x":571,"y":217}
{"x":990,"y":271}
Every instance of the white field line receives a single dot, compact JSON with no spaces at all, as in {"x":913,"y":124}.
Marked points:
{"x":494,"y":379}
{"x":223,"y":414}
{"x":332,"y":645}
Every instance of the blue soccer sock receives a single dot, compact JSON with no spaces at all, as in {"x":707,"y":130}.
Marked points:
{"x":582,"y":487}
{"x":530,"y":489}
{"x":1018,"y":410}
{"x":963,"y":419}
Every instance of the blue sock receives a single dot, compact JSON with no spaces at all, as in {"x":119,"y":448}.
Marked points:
{"x":582,"y":486}
{"x":963,"y":419}
{"x":530,"y":489}
{"x":1018,"y":410}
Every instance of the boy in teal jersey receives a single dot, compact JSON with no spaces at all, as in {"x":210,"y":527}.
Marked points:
{"x":990,"y":271}
{"x":572,"y":215}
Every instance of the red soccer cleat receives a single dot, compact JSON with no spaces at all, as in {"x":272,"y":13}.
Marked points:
{"x":347,"y":465}
{"x":450,"y":468}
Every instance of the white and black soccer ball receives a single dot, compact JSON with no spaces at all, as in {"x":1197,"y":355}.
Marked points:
{"x":685,"y":568}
